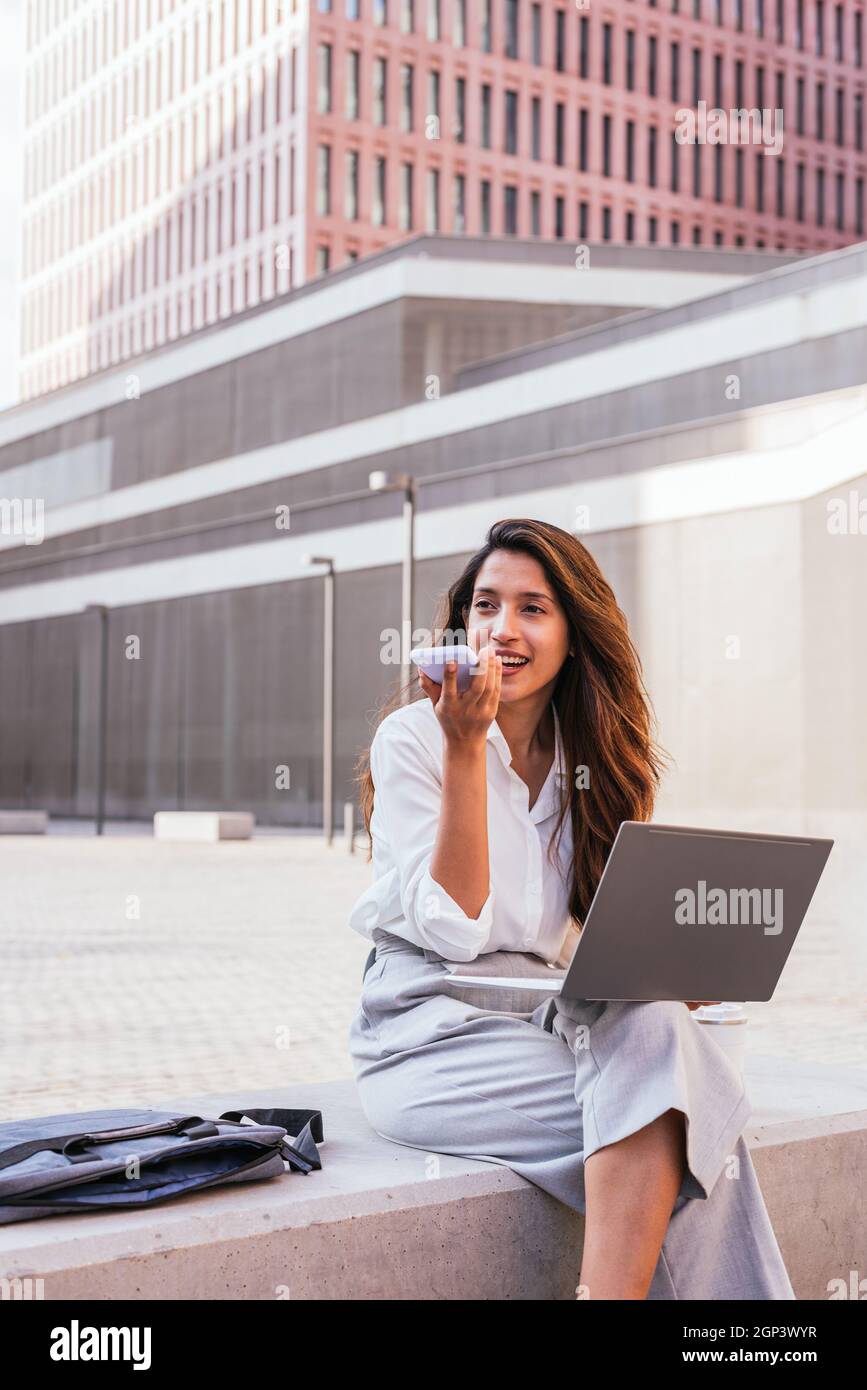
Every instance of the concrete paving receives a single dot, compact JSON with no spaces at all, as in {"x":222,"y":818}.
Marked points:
{"x":135,"y":970}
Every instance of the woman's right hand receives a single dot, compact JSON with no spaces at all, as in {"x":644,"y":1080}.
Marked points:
{"x":466,"y":716}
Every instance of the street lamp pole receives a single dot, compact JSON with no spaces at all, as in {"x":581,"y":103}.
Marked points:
{"x":405,"y":483}
{"x":102,"y":717}
{"x":327,"y":695}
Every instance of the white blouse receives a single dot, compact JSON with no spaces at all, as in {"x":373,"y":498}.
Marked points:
{"x":527,"y":908}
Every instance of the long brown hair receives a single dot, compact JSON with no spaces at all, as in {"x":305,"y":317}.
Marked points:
{"x":604,"y":709}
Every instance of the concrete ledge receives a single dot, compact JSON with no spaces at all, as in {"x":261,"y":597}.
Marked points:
{"x":23,"y":822}
{"x":203,"y":826}
{"x":385,"y":1221}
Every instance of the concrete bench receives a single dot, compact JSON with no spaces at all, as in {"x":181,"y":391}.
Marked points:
{"x":385,"y":1221}
{"x":23,"y":822}
{"x":203,"y":826}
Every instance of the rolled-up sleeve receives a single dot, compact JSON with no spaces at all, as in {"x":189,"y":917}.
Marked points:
{"x":408,"y":798}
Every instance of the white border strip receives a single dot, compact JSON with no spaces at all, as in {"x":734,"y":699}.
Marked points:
{"x":672,"y":492}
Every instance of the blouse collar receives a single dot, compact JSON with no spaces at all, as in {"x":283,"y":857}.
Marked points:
{"x":548,"y":799}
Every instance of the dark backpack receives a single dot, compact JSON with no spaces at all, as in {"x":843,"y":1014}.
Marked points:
{"x":108,"y":1159}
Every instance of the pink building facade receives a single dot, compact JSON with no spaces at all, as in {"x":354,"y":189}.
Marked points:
{"x":558,"y":120}
{"x":187,"y":159}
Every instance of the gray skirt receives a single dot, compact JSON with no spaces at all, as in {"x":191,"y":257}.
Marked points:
{"x":540,"y":1086}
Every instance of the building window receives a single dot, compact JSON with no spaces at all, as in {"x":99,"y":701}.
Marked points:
{"x":352,"y":9}
{"x":584,"y":47}
{"x":535,"y":214}
{"x":559,"y":132}
{"x":323,"y":179}
{"x":433,"y":20}
{"x":799,"y":105}
{"x":460,"y":218}
{"x":433,"y":200}
{"x":820,"y":28}
{"x":652,"y":232}
{"x":696,"y":235}
{"x":859,"y":120}
{"x":511,"y":133}
{"x":536,"y":127}
{"x":406,"y":96}
{"x":379,"y":186}
{"x":606,"y":53}
{"x":323,"y":82}
{"x":760,"y":18}
{"x":583,"y":220}
{"x":559,"y":217}
{"x":380,"y":12}
{"x":630,"y":151}
{"x":675,"y":233}
{"x":696,"y":76}
{"x":739,"y":178}
{"x":779,"y":165}
{"x":606,"y":146}
{"x":630,"y":226}
{"x":718,"y":173}
{"x":460,"y":109}
{"x":353,"y":83}
{"x":485,"y":206}
{"x":674,"y":89}
{"x":839,"y":117}
{"x":510,"y":210}
{"x":717,"y":79}
{"x":405,"y":210}
{"x":696,"y":170}
{"x":323,"y":259}
{"x":560,"y":40}
{"x":820,"y":110}
{"x":486,"y":25}
{"x":407,"y":21}
{"x":651,"y":65}
{"x":351,"y":199}
{"x":486,"y":115}
{"x":840,"y":202}
{"x":511,"y":28}
{"x":433,"y":96}
{"x":760,"y":182}
{"x":652,"y":141}
{"x":459,"y":12}
{"x":537,"y":34}
{"x":380,"y":87}
{"x":820,"y":197}
{"x":606,"y":224}
{"x":583,"y":138}
{"x":630,"y":60}
{"x":799,"y":191}
{"x":675,"y":165}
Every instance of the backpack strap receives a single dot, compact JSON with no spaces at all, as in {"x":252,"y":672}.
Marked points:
{"x":305,"y":1125}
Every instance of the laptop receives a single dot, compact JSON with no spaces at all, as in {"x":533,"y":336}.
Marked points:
{"x":685,"y":913}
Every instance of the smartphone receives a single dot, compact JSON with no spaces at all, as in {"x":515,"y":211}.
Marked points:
{"x":432,"y":660}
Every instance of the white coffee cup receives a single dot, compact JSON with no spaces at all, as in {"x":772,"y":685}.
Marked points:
{"x":727,"y":1024}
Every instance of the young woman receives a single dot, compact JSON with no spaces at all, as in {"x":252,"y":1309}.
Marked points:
{"x":485,"y":840}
